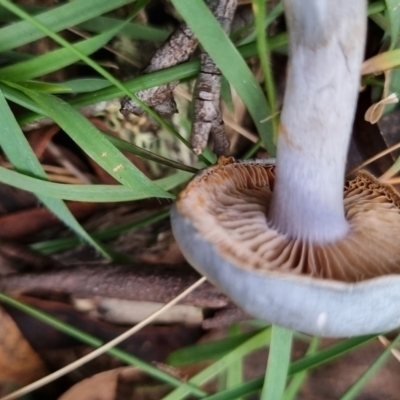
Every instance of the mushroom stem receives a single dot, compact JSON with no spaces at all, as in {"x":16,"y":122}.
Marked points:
{"x":326,"y":50}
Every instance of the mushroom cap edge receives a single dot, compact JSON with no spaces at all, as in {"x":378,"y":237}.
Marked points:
{"x":311,"y":305}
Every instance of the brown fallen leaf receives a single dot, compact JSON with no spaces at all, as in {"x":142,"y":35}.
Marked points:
{"x":27,"y":222}
{"x":19,"y":363}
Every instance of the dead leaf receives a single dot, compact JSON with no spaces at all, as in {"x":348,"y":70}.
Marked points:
{"x":19,"y":363}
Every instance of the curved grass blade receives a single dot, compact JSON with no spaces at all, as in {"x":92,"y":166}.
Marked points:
{"x":306,"y":363}
{"x":140,"y":4}
{"x":259,"y":340}
{"x":356,"y":388}
{"x":131,"y":30}
{"x":148,"y":155}
{"x":58,"y":18}
{"x":278,"y":363}
{"x":89,"y":193}
{"x":264,"y":55}
{"x":297,"y":381}
{"x":94,"y":143}
{"x":20,"y":154}
{"x":223,"y":52}
{"x":56,"y":245}
{"x":85,"y":85}
{"x":179,"y":72}
{"x":54,"y":60}
{"x":207,"y":351}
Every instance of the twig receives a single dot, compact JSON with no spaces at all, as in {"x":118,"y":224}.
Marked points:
{"x":177,"y":49}
{"x":207,"y":114}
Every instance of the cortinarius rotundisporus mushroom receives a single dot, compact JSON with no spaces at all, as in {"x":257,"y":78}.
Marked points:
{"x":293,"y":249}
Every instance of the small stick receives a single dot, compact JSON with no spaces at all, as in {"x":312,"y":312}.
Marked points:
{"x":207,"y":114}
{"x":177,"y":49}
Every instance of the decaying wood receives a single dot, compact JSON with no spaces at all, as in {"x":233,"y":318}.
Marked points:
{"x":175,"y":50}
{"x":207,"y":114}
{"x":157,"y":283}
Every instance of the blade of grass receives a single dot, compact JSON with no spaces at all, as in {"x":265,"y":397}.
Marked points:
{"x":85,"y":85}
{"x":148,"y":155}
{"x":96,"y":145}
{"x":223,"y":52}
{"x":52,"y":246}
{"x":278,"y":363}
{"x":306,"y":363}
{"x":357,"y":386}
{"x":54,"y":60}
{"x":268,"y":19}
{"x":179,"y":72}
{"x":58,"y":18}
{"x":259,"y":340}
{"x":393,"y":13}
{"x":207,"y":351}
{"x":20,"y":154}
{"x":259,"y":8}
{"x":99,"y":25}
{"x":139,"y":4}
{"x":95,"y":342}
{"x":297,"y":381}
{"x":89,"y":193}
{"x":234,"y":372}
{"x":22,"y":99}
{"x":131,"y":30}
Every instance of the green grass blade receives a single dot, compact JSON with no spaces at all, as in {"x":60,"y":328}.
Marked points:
{"x":356,"y":388}
{"x":234,"y":372}
{"x":20,"y":154}
{"x":131,"y":30}
{"x":56,"y":245}
{"x":148,"y":155}
{"x":297,"y":381}
{"x":393,"y":13}
{"x":223,"y":52}
{"x":54,"y":60}
{"x":179,"y":72}
{"x":267,"y":20}
{"x":306,"y":363}
{"x":139,"y":4}
{"x":264,"y":55}
{"x":329,"y":354}
{"x":94,"y":143}
{"x":88,"y":193}
{"x":259,"y":340}
{"x":95,"y":342}
{"x":278,"y":363}
{"x":85,"y":85}
{"x":56,"y":19}
{"x":207,"y":351}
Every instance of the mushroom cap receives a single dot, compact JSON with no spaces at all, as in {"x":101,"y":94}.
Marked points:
{"x":344,"y":288}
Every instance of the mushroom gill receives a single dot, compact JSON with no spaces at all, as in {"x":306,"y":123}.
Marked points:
{"x":228,"y":205}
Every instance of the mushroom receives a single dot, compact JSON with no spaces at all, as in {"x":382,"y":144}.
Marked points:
{"x":287,"y":243}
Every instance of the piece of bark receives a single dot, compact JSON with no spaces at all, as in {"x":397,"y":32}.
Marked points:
{"x":177,"y":49}
{"x":207,"y":114}
{"x":141,"y":282}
